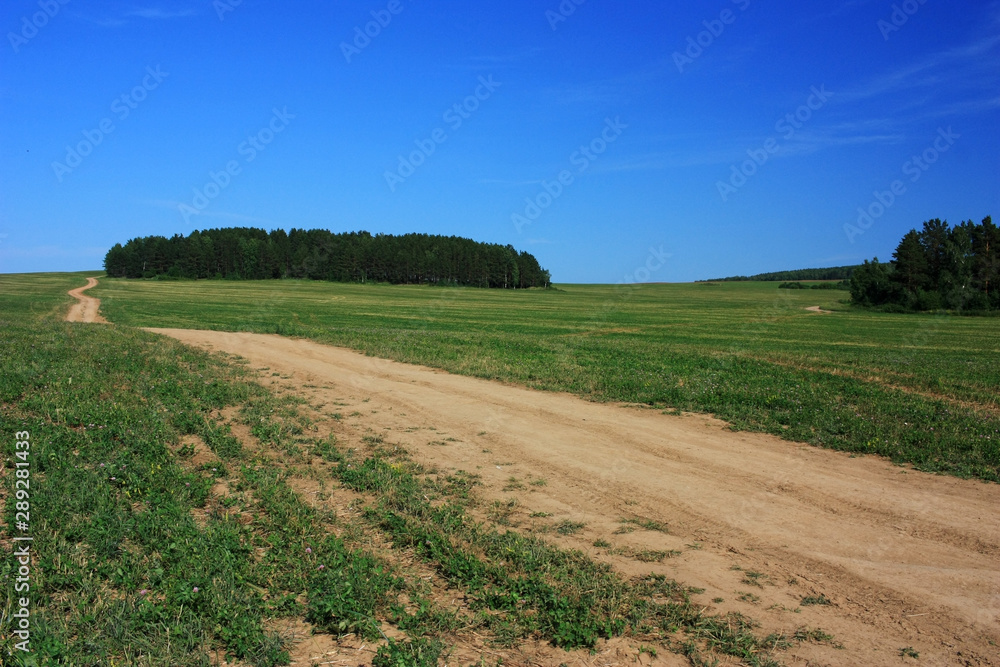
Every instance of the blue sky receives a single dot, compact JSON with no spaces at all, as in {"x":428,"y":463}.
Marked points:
{"x":733,"y":136}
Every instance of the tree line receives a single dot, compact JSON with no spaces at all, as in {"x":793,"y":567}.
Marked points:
{"x":831,"y":273}
{"x":939,"y":267}
{"x":842,"y":285}
{"x":254,"y":254}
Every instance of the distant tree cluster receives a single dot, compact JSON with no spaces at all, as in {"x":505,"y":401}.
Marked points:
{"x":939,"y":267}
{"x":318,"y":254}
{"x":832,"y":273}
{"x":842,"y":285}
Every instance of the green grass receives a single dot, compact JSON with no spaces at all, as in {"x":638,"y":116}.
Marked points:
{"x":140,"y":560}
{"x":122,"y":572}
{"x":567,"y":527}
{"x":815,"y":600}
{"x":918,"y":389}
{"x":524,"y":587}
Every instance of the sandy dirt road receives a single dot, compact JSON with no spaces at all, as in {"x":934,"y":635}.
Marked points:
{"x":86,"y":308}
{"x":896,"y":558}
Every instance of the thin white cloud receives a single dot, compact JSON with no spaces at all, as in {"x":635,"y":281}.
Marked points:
{"x":137,"y":13}
{"x":960,"y":66}
{"x":156,"y":13}
{"x":803,"y":143}
{"x":45,"y":251}
{"x":104,"y":23}
{"x":600,"y":92}
{"x":508,"y":182}
{"x":511,"y":57}
{"x":963,"y":108}
{"x":808,"y":142}
{"x":616,"y":91}
{"x":175,"y":205}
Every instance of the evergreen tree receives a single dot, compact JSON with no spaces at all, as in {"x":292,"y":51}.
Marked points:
{"x":956,"y":268}
{"x":870,"y":284}
{"x":986,"y":261}
{"x":934,"y":239}
{"x":911,"y":265}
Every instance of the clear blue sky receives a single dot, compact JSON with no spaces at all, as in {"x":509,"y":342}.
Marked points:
{"x":682,"y":124}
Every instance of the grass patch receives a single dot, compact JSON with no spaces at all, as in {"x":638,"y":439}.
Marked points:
{"x":815,"y":600}
{"x":136,"y":559}
{"x":645,"y":524}
{"x":812,"y":635}
{"x":918,"y":389}
{"x":513,"y":484}
{"x":754,"y":578}
{"x":142,"y":560}
{"x":522,"y":587}
{"x":567,"y":527}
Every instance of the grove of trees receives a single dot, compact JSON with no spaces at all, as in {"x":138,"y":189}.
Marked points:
{"x":831,"y":273}
{"x":939,"y":267}
{"x":318,"y":254}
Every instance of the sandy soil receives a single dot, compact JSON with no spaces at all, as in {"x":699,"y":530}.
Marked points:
{"x":905,"y":559}
{"x":87,"y":308}
{"x":817,"y":309}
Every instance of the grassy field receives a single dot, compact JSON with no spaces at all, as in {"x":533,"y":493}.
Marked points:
{"x":168,"y":530}
{"x":919,"y":389}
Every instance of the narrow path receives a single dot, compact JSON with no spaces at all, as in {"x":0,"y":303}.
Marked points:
{"x":818,"y":309}
{"x":888,"y":557}
{"x":87,"y":308}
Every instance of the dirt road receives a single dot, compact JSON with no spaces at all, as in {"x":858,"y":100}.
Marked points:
{"x":881,"y":557}
{"x":87,"y":308}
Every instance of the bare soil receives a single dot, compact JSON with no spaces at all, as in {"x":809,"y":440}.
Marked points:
{"x":896,"y":558}
{"x":87,"y":308}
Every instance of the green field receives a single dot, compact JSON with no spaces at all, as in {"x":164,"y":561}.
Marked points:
{"x":139,"y":488}
{"x":919,"y":389}
{"x":140,"y":559}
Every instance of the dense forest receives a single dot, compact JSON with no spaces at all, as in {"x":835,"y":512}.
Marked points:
{"x":832,"y":273}
{"x":842,"y":285}
{"x":938,"y":267}
{"x":318,"y":254}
